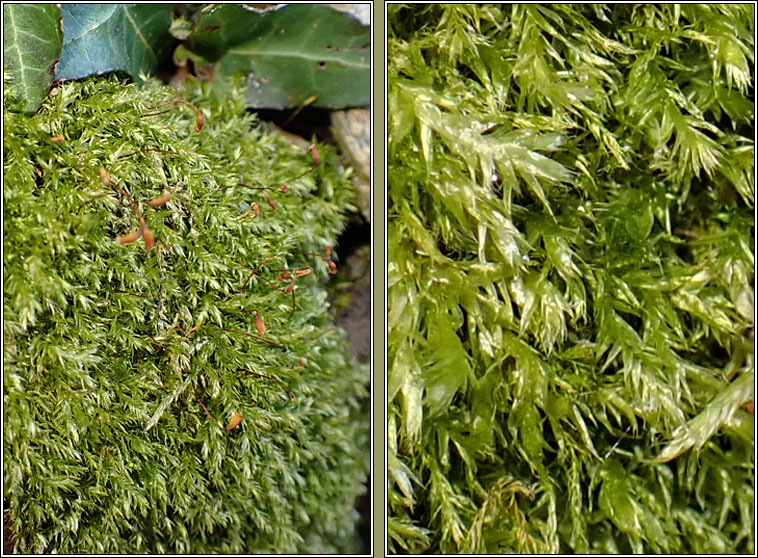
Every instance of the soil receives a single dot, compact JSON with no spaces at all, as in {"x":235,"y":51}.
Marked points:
{"x":8,"y":542}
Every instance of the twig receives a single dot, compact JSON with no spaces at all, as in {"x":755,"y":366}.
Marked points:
{"x":292,"y":288}
{"x":90,"y":201}
{"x":324,"y":333}
{"x":154,"y":340}
{"x":199,"y":121}
{"x":130,"y":293}
{"x":292,"y":395}
{"x":186,"y":333}
{"x":316,"y":156}
{"x":205,"y":408}
{"x":253,"y":273}
{"x":144,"y":231}
{"x":156,"y":150}
{"x":307,"y":102}
{"x":253,"y":336}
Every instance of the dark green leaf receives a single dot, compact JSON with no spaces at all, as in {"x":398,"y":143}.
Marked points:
{"x":289,"y":54}
{"x":100,"y":38}
{"x":32,"y":40}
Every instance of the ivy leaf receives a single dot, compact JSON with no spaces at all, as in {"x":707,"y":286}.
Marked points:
{"x":31,"y":48}
{"x":100,"y":38}
{"x":289,"y":54}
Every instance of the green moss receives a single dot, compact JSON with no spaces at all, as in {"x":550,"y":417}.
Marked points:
{"x":107,"y":449}
{"x":570,"y":254}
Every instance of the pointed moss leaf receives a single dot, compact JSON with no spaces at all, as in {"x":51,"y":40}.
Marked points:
{"x":584,"y":431}
{"x":616,"y":499}
{"x":289,"y":54}
{"x":745,"y":303}
{"x":407,"y":535}
{"x":402,"y":475}
{"x":483,"y":405}
{"x":399,"y":112}
{"x":404,"y":364}
{"x":530,"y":432}
{"x":715,"y":415}
{"x":168,"y":400}
{"x":447,"y":367}
{"x":638,"y":214}
{"x":100,"y":38}
{"x":706,"y":309}
{"x":32,"y":40}
{"x":730,"y":57}
{"x":413,"y":412}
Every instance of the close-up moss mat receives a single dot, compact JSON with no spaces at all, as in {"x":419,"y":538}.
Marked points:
{"x":570,"y":278}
